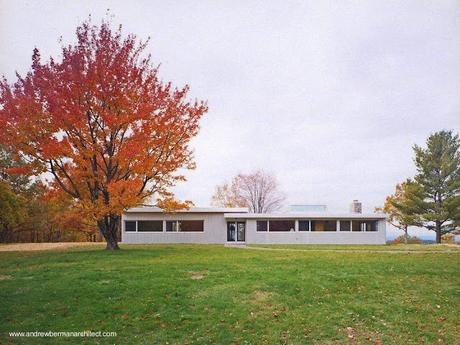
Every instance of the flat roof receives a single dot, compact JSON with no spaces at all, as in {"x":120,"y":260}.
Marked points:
{"x":243,"y":213}
{"x":228,"y":210}
{"x":312,"y":215}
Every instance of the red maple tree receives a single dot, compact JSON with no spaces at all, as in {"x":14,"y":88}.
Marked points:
{"x":102,"y":123}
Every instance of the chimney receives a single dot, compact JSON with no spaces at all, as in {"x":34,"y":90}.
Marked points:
{"x":356,"y":207}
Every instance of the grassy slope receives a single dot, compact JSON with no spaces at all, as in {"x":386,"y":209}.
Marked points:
{"x":147,"y":295}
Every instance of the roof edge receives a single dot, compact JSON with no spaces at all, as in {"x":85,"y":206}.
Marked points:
{"x":150,"y":209}
{"x":313,"y":215}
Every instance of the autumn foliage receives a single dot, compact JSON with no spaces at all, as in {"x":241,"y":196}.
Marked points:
{"x":102,"y":124}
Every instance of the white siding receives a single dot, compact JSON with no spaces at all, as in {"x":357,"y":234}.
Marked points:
{"x":215,"y":229}
{"x":314,"y":237}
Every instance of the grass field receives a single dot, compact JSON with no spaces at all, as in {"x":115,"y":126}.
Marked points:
{"x":198,"y":294}
{"x":364,"y":247}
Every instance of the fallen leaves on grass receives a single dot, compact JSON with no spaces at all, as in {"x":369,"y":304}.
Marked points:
{"x":284,"y":337}
{"x":350,"y":333}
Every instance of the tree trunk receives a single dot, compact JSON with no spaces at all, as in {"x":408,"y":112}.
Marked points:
{"x":405,"y":235}
{"x":438,"y":232}
{"x":108,"y":229}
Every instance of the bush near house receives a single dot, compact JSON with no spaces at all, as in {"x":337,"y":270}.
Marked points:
{"x":410,"y":240}
{"x":448,"y":238}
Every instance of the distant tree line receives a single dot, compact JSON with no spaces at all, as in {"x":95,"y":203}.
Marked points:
{"x":30,"y":212}
{"x":431,"y":199}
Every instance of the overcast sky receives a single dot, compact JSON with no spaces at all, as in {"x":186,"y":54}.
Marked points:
{"x":328,"y":96}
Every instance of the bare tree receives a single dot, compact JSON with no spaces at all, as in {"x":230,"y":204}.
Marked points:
{"x":257,"y":191}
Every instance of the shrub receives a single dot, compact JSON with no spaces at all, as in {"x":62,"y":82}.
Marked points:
{"x":448,"y":238}
{"x":410,"y":240}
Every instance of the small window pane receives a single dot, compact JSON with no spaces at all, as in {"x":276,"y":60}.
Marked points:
{"x":241,"y":231}
{"x":191,"y":225}
{"x":345,"y":225}
{"x":150,"y":225}
{"x":231,"y":231}
{"x":130,"y":226}
{"x":261,"y":225}
{"x":282,"y":225}
{"x":304,"y":225}
{"x":357,"y":225}
{"x":323,"y":225}
{"x":371,"y":225}
{"x":171,"y":226}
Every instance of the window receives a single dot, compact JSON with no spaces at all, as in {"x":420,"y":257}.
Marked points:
{"x":184,"y":225}
{"x":304,"y":225}
{"x":371,"y":225}
{"x":130,"y":225}
{"x":345,"y":225}
{"x":262,"y":225}
{"x":191,"y":225}
{"x":171,"y":226}
{"x":364,"y":225}
{"x":150,"y":225}
{"x":357,"y":225}
{"x":231,"y":231}
{"x":323,"y":225}
{"x":282,"y":225}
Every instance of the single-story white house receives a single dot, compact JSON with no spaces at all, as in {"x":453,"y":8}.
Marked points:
{"x":237,"y":225}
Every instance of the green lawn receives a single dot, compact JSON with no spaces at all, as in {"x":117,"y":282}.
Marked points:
{"x":365,"y":247}
{"x":198,"y":294}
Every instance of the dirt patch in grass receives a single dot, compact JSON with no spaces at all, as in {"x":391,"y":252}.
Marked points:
{"x":26,"y":247}
{"x":261,"y":300}
{"x":5,"y":277}
{"x":197,"y":275}
{"x":264,"y":305}
{"x":261,"y":296}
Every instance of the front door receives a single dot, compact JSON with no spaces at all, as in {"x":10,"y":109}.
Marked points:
{"x":236,"y":231}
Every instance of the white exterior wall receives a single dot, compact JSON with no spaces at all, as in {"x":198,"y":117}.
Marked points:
{"x":215,"y":228}
{"x":215,"y":231}
{"x":315,"y":237}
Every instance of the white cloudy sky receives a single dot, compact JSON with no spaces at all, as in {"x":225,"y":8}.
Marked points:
{"x":329,"y":96}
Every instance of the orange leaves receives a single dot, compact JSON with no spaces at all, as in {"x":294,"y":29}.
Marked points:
{"x":20,"y":170}
{"x":52,"y":148}
{"x":171,"y":205}
{"x":102,"y":123}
